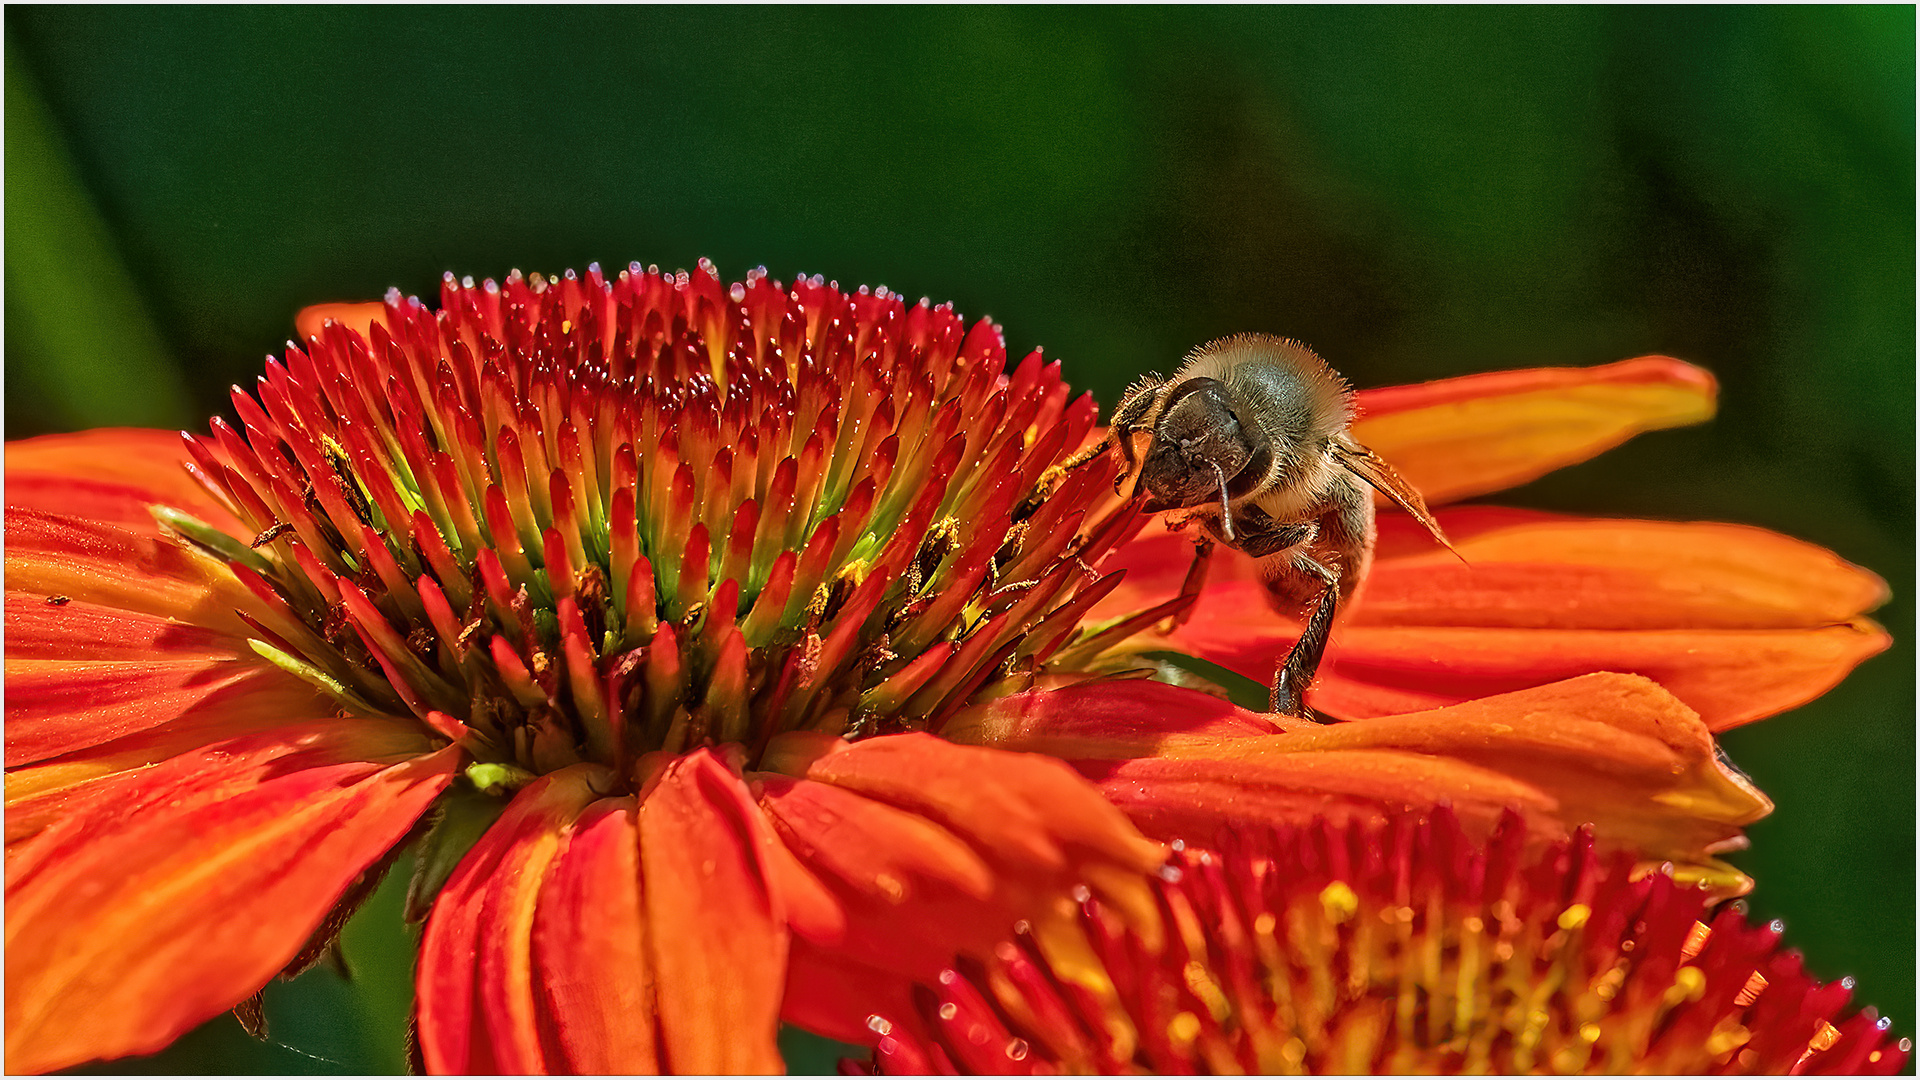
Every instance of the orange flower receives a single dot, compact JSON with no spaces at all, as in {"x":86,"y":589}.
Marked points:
{"x":644,"y":583}
{"x":1404,"y":945}
{"x":1738,"y":622}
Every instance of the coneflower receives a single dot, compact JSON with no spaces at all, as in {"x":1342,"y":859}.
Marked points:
{"x":587,"y":565}
{"x":1398,"y":946}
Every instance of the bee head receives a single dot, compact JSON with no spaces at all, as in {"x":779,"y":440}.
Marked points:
{"x":1199,"y":446}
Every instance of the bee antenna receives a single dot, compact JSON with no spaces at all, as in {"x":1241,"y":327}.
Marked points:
{"x":1226,"y":508}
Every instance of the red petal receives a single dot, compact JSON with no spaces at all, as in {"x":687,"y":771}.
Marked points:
{"x":589,"y":949}
{"x":77,"y":630}
{"x":111,"y":475}
{"x":812,"y":910}
{"x":719,"y":952}
{"x":1179,"y":799}
{"x":180,"y":687}
{"x":1457,"y":438}
{"x":477,"y":1007}
{"x":138,"y":917}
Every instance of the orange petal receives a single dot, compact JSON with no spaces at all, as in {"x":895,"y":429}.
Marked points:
{"x":138,"y":917}
{"x":80,"y":631}
{"x":831,"y":994}
{"x":1739,"y":622}
{"x":53,"y":555}
{"x":884,"y":868}
{"x":589,"y":949}
{"x":812,"y":910}
{"x":1110,"y":719}
{"x":477,"y":1007}
{"x":1613,"y":750}
{"x":718,"y":951}
{"x":933,"y":848}
{"x":111,"y":475}
{"x":40,"y":795}
{"x":1546,"y":570}
{"x":1023,"y":807}
{"x":55,"y":708}
{"x":79,"y":675}
{"x":173,"y":687}
{"x":1731,"y":677}
{"x":1456,"y":438}
{"x":357,"y":317}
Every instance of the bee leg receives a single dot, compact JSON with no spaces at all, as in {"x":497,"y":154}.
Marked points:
{"x":1196,"y":580}
{"x":1050,"y":480}
{"x":1296,"y":672}
{"x":1260,"y":536}
{"x":1133,"y":407}
{"x":1252,"y":532}
{"x":1090,"y":454}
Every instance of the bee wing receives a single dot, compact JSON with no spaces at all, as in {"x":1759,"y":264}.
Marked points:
{"x":1368,"y":466}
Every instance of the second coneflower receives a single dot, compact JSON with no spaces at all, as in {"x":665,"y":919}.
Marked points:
{"x":1400,"y":946}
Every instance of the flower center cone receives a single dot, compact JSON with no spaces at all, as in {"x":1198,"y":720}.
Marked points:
{"x":580,"y":520}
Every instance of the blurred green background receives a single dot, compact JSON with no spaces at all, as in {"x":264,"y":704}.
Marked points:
{"x":1417,"y":193}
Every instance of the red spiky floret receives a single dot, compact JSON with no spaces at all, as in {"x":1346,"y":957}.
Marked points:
{"x":581,"y":520}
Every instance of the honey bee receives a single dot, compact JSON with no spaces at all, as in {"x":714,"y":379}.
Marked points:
{"x":1250,"y":438}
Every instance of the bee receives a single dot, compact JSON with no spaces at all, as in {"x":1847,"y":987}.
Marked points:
{"x":1250,"y":438}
